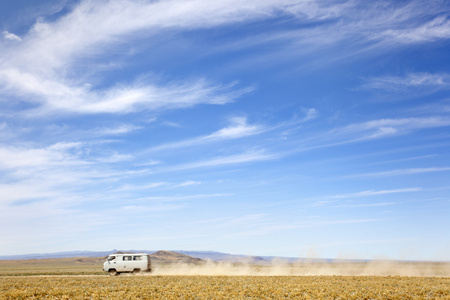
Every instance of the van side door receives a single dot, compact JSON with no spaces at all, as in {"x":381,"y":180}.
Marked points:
{"x":126,"y":263}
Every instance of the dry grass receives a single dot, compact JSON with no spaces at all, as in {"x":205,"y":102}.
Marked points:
{"x":62,"y":279}
{"x":61,"y":266}
{"x":224,"y":287}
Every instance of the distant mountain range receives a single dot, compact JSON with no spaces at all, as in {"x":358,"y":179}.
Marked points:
{"x":205,"y":255}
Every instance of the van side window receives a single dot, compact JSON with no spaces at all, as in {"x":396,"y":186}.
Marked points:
{"x":111,"y":258}
{"x":137,"y":257}
{"x":127,"y":258}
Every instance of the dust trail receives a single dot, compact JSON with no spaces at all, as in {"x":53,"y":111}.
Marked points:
{"x":280,"y":268}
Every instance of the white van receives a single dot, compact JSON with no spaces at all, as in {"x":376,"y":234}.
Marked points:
{"x":127,"y":263}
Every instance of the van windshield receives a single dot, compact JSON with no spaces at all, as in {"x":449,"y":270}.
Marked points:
{"x":111,"y":258}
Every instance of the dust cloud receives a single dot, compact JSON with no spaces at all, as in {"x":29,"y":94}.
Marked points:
{"x":281,"y":268}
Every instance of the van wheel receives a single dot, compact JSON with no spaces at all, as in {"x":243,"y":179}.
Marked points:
{"x":136,"y":271}
{"x":113,"y":272}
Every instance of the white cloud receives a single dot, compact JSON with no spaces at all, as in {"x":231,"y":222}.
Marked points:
{"x":170,"y":124}
{"x":188,"y":183}
{"x":11,"y":36}
{"x":389,"y":127}
{"x":153,"y":185}
{"x":25,"y":190}
{"x":396,"y":24}
{"x":438,"y":28}
{"x":409,"y":171}
{"x":115,"y":157}
{"x":142,"y":209}
{"x":238,"y":129}
{"x":149,"y":163}
{"x":356,"y":28}
{"x":369,"y":204}
{"x":311,"y":113}
{"x":135,"y":187}
{"x":59,"y":171}
{"x":37,"y":69}
{"x":180,"y":198}
{"x":373,"y":193}
{"x":327,"y":200}
{"x":24,"y":157}
{"x":411,"y":81}
{"x":246,"y":157}
{"x":118,"y":130}
{"x":57,"y":96}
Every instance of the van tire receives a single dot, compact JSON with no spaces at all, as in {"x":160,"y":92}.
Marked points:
{"x":113,"y":272}
{"x":136,"y":271}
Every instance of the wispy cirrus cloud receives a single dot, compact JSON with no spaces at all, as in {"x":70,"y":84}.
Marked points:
{"x":425,"y":82}
{"x":60,"y":41}
{"x":377,"y":204}
{"x":389,"y":127}
{"x":384,"y":23}
{"x":359,"y":28}
{"x":436,"y":29}
{"x":374,"y":193}
{"x":409,"y":171}
{"x":29,"y":157}
{"x":57,"y":171}
{"x":327,"y":200}
{"x":117,"y":130}
{"x":154,"y":185}
{"x":179,"y":198}
{"x":245,"y":157}
{"x":35,"y":68}
{"x":239,"y":128}
{"x":52,"y":95}
{"x":188,"y":183}
{"x":135,"y":187}
{"x":11,"y":36}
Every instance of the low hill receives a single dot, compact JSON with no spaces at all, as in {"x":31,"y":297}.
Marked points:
{"x":164,"y":256}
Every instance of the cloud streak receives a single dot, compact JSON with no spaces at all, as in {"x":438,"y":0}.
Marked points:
{"x":246,"y":157}
{"x":436,"y":29}
{"x":398,"y":172}
{"x":327,"y":200}
{"x":11,"y":36}
{"x":238,"y":129}
{"x":53,"y":96}
{"x":374,"y":193}
{"x":410,"y":82}
{"x":390,"y":127}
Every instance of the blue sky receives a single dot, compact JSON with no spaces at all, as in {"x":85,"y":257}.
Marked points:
{"x":271,"y":127}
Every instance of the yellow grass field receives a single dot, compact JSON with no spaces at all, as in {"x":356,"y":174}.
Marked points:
{"x":82,"y":278}
{"x":61,"y":266}
{"x":224,"y":287}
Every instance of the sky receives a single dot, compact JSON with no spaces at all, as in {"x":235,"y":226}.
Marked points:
{"x":300,"y":128}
